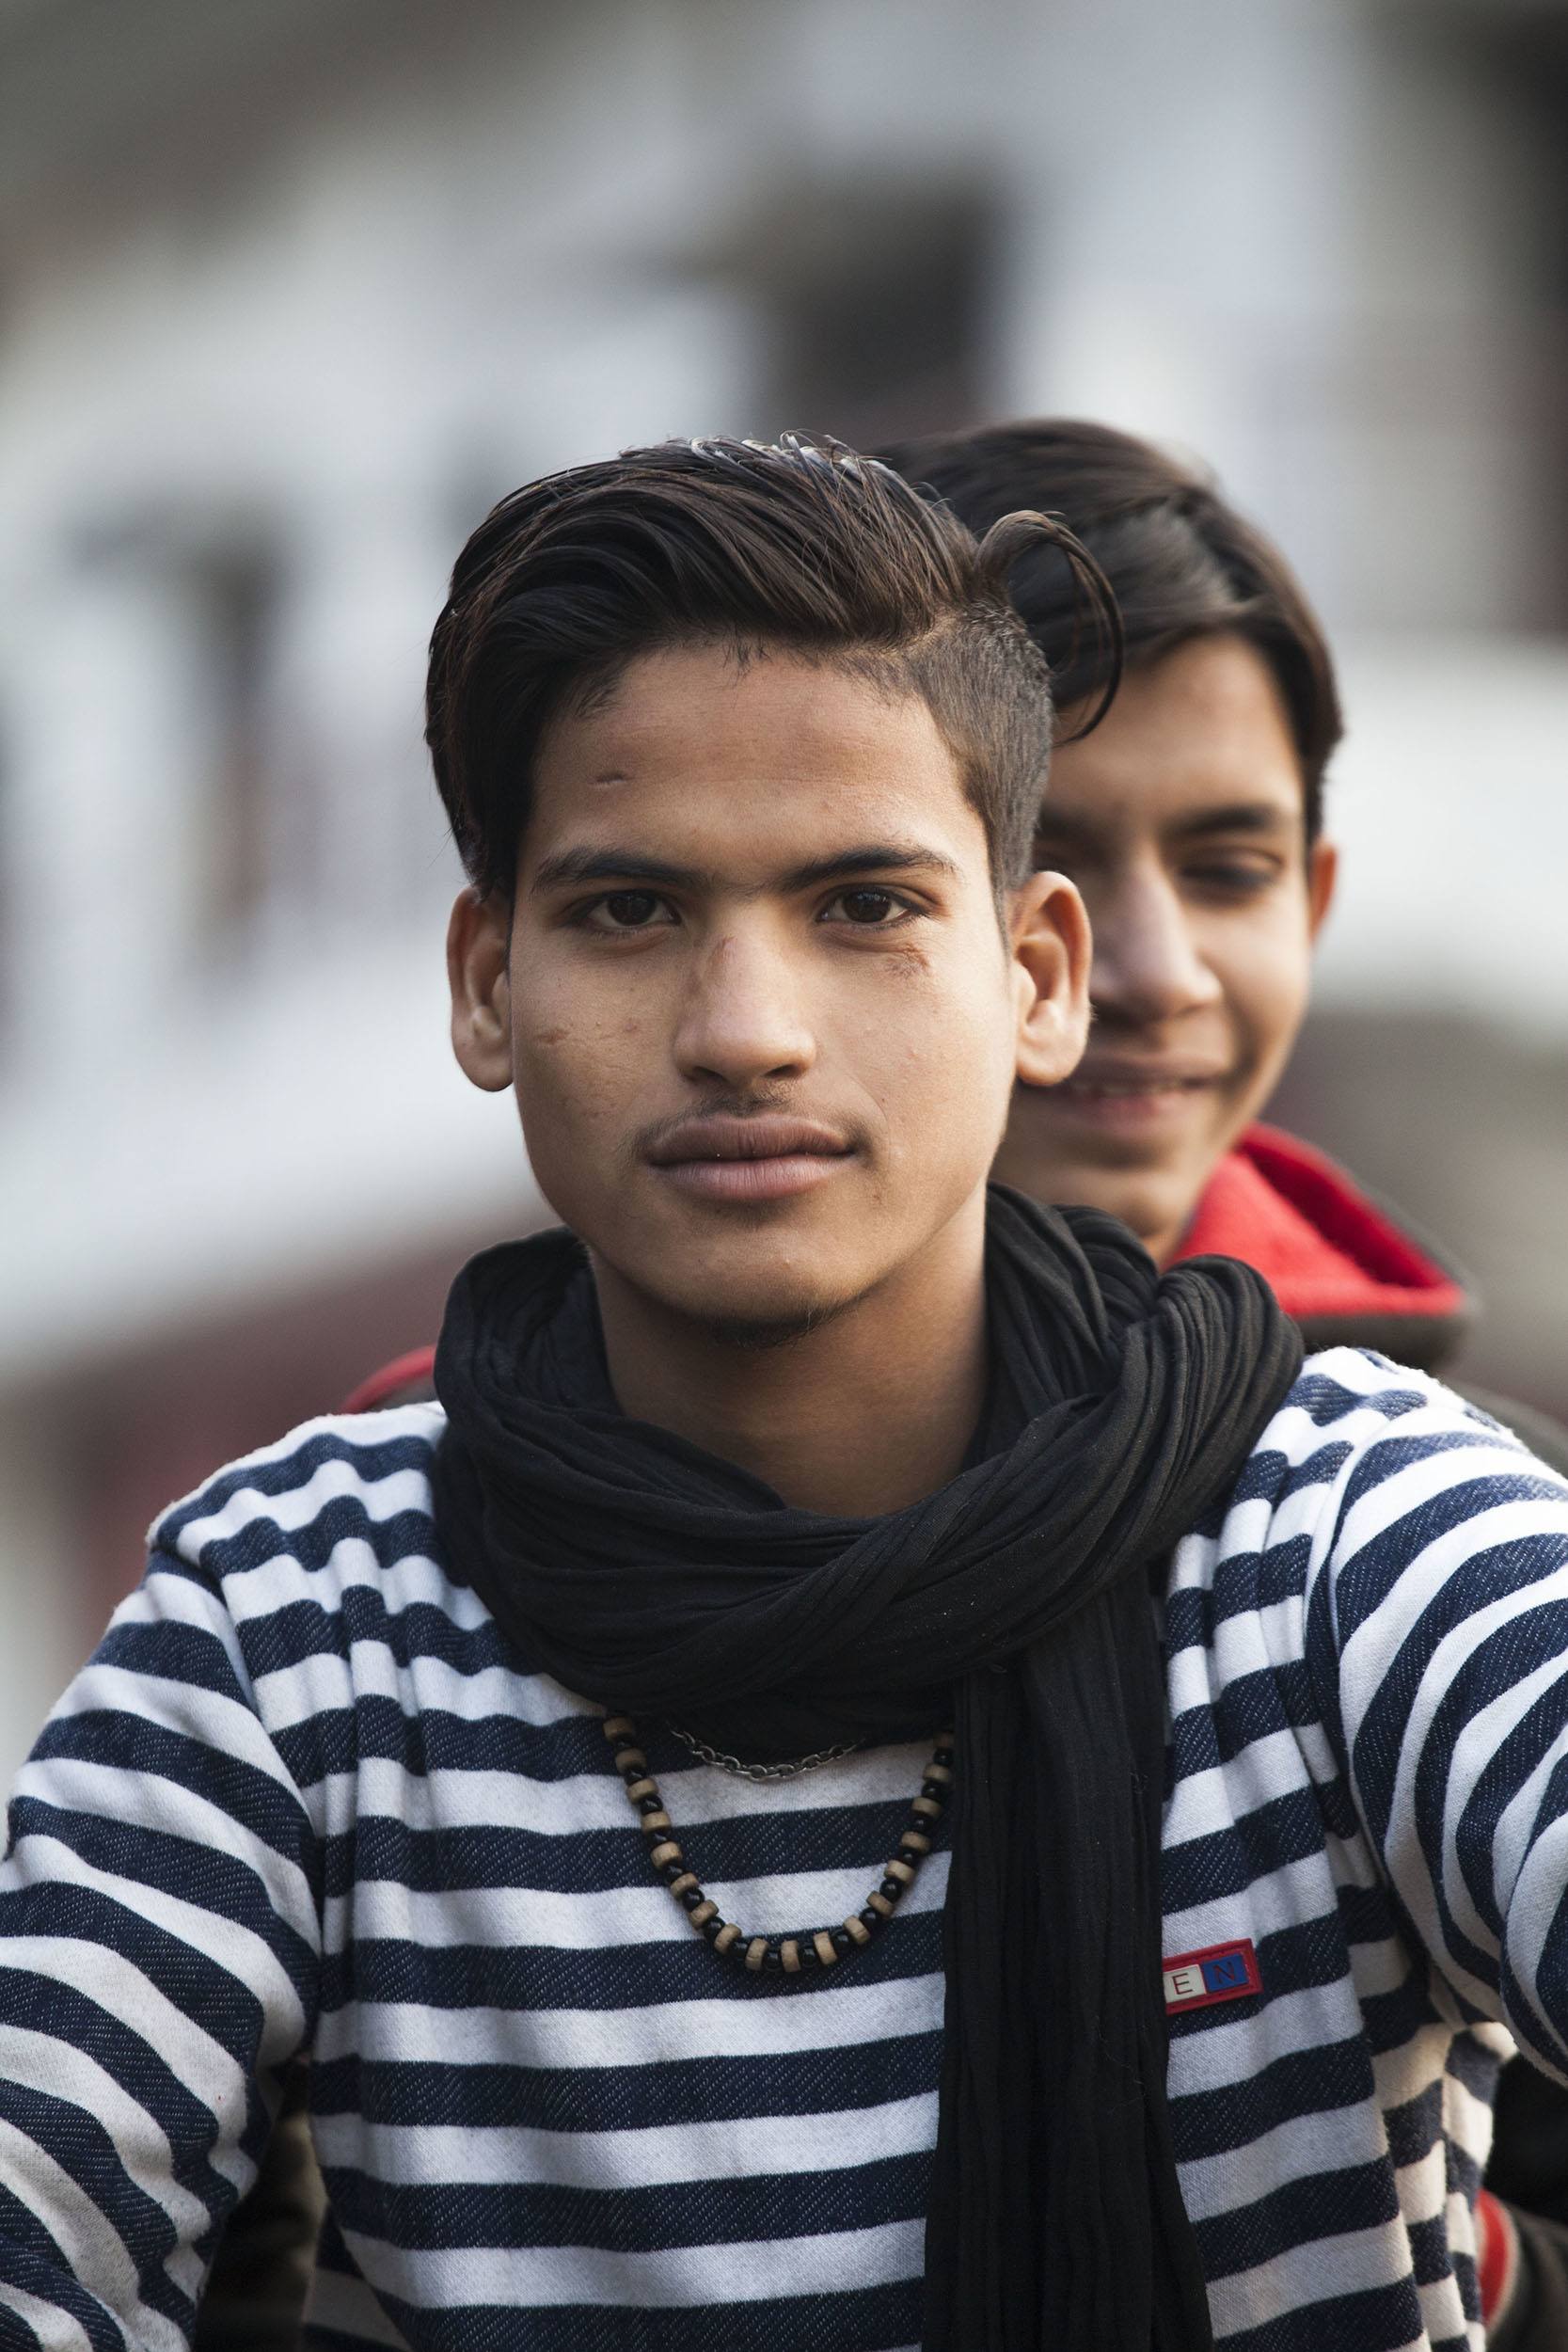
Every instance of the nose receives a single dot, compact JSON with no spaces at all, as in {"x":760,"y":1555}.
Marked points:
{"x":1147,"y":966}
{"x":742,"y":1021}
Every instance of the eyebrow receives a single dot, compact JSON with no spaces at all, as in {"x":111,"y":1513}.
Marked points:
{"x":568,"y":868}
{"x":1240,"y":817}
{"x":1257,"y":816}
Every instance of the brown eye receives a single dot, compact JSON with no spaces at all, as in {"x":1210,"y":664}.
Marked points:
{"x":630,"y":910}
{"x":1234,"y":877}
{"x":867,"y":907}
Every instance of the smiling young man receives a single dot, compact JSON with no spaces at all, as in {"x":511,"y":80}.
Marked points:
{"x":1184,"y":827}
{"x":1192,"y":821}
{"x":702,"y":1794}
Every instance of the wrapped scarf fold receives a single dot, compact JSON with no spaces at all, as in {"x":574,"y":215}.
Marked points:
{"x":648,"y":1574}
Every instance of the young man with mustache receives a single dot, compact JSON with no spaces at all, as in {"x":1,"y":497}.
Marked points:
{"x":702,"y":1795}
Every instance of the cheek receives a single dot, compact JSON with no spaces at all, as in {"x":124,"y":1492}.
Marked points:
{"x":576,"y":1068}
{"x":938,"y":1058}
{"x":1266,"y":977}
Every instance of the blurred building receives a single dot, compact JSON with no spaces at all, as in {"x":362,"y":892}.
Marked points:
{"x":289,"y":293}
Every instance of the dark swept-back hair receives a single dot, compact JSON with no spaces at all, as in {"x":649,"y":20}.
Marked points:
{"x":1182,"y":562}
{"x":799,"y":545}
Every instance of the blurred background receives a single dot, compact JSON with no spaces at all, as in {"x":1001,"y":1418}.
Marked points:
{"x":290,"y":294}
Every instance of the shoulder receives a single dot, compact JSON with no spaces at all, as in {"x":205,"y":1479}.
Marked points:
{"x":1360,"y":1442}
{"x":1544,"y":1437}
{"x":1369,"y":1478}
{"x":1352,"y":1407}
{"x":365,"y":1475}
{"x":1368,"y":1461}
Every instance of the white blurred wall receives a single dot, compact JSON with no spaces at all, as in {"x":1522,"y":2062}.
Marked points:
{"x":1450,"y":802}
{"x":288,"y":294}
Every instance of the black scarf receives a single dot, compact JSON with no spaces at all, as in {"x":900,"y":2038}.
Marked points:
{"x":650,"y":1575}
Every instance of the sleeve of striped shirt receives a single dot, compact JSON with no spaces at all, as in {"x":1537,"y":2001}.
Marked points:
{"x":159,"y":1946}
{"x":1438,"y":1634}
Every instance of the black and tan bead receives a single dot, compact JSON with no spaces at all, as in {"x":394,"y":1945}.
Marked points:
{"x":793,"y":1956}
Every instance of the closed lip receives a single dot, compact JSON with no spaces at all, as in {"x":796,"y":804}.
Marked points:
{"x":763,"y":1136}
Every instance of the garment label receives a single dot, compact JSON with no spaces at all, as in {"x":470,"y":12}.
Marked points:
{"x":1221,"y":1972}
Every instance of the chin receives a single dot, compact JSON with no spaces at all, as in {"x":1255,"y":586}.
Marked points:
{"x":1145,"y":1201}
{"x":751,"y":1305}
{"x":757,"y":1315}
{"x":761,"y":1333}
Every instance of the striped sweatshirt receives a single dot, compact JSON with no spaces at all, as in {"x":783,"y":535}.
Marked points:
{"x":305,"y":1799}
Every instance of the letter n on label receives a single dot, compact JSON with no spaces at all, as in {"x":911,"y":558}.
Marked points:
{"x":1220,"y":1972}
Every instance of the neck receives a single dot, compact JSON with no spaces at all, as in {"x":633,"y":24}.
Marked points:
{"x":861,"y":1415}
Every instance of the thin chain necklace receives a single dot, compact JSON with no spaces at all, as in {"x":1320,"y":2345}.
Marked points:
{"x":792,"y":1771}
{"x":787,"y":1955}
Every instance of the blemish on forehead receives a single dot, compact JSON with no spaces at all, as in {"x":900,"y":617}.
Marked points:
{"x":608,"y":782}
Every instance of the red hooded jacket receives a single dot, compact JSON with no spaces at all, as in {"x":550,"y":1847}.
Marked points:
{"x":1335,"y":1261}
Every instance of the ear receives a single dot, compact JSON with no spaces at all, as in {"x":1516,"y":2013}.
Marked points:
{"x":479,"y":939}
{"x":1051,"y":951}
{"x":1323,"y":872}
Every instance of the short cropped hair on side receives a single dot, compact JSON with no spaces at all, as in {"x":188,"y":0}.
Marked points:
{"x":1182,"y":561}
{"x":800,"y":546}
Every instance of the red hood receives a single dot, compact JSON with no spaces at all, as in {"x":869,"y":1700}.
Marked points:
{"x":1326,"y":1248}
{"x":406,"y":1380}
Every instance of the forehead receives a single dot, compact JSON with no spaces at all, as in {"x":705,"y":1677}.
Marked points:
{"x":1203,"y":730}
{"x":746,"y":760}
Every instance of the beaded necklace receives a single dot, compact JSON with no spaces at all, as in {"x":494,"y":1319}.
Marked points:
{"x":788,"y":1955}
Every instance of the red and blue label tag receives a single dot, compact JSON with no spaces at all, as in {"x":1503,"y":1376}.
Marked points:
{"x":1221,"y":1972}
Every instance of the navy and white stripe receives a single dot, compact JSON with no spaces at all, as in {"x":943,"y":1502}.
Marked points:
{"x":301,"y":1799}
